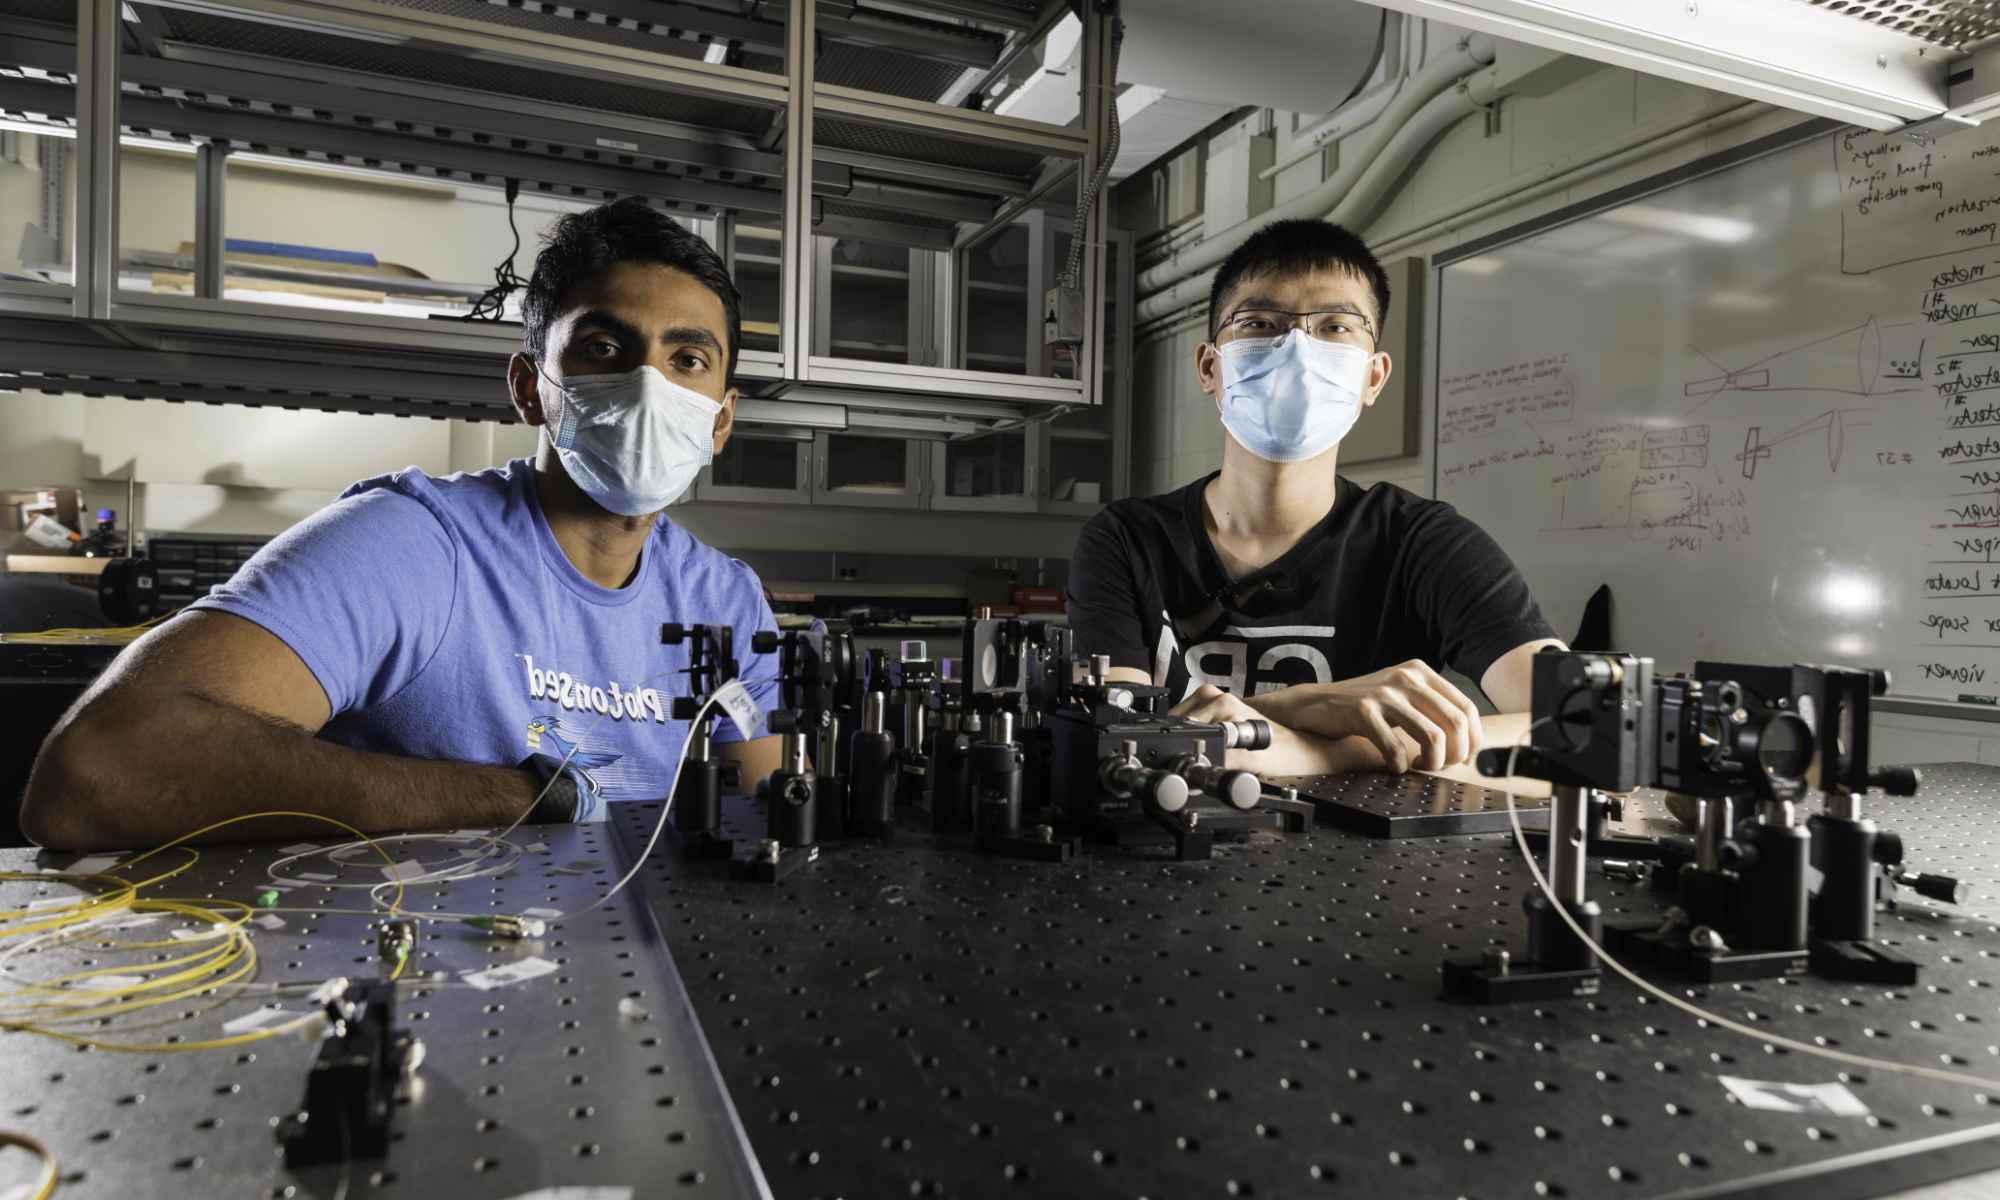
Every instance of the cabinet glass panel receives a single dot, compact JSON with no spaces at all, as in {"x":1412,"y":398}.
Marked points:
{"x":868,"y":288}
{"x":759,"y":282}
{"x":996,"y":305}
{"x":750,"y":461}
{"x":368,"y":253}
{"x":991,"y":465}
{"x":156,"y":217}
{"x":1079,"y":471}
{"x":413,"y":175}
{"x":863,"y":465}
{"x":37,"y":146}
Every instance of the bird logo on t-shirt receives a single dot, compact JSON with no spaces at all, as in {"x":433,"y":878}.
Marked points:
{"x":542,"y":730}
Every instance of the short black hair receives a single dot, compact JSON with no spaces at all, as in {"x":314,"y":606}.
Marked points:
{"x":1293,"y":248}
{"x":583,"y":245}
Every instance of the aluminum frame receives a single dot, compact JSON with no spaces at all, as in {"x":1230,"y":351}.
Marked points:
{"x":499,"y":43}
{"x":896,"y":170}
{"x":1794,"y":55}
{"x":434,"y":156}
{"x":467,"y":108}
{"x":27,"y":298}
{"x":1100,"y":58}
{"x":862,"y":404}
{"x":211,"y":239}
{"x":935,"y":381}
{"x":791,"y":414}
{"x":795,"y":262}
{"x":95,"y":265}
{"x":957,"y":124}
{"x":945,"y":310}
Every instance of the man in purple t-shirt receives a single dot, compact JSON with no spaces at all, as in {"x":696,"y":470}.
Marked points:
{"x":429,"y":653}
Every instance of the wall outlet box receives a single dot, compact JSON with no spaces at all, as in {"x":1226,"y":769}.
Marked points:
{"x":1062,"y":317}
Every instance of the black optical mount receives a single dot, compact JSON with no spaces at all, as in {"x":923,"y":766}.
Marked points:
{"x":803,"y":804}
{"x":696,"y":830}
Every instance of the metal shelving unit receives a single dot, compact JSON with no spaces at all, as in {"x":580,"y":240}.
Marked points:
{"x":789,"y":137}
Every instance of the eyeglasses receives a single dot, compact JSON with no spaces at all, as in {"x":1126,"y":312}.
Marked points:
{"x":1327,"y":325}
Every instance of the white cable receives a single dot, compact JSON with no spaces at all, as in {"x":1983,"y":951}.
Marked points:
{"x":457,"y":869}
{"x":1695,"y":1010}
{"x":468,"y":868}
{"x":666,"y":809}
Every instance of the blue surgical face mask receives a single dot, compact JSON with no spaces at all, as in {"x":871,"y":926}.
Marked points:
{"x":1290,"y":398}
{"x":632,"y":441}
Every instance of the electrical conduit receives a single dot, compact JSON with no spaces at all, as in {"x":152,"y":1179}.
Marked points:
{"x":1566,"y":173}
{"x":1434,"y":99}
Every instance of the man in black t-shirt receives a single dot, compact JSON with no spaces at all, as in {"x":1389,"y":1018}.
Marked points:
{"x":1277,"y":586}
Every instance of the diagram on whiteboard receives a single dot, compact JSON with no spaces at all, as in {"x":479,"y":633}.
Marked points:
{"x":1828,"y":428}
{"x":1788,"y":407}
{"x":1648,"y":484}
{"x":1870,"y":359}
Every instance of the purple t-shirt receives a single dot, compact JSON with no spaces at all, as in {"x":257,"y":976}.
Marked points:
{"x":443,"y":621}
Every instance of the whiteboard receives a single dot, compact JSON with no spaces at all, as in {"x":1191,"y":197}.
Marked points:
{"x":1762,"y":403}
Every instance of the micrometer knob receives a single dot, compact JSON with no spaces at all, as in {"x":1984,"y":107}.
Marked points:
{"x":1246,"y":735}
{"x":1168,"y":790}
{"x":1238,"y":789}
{"x":1125,"y":777}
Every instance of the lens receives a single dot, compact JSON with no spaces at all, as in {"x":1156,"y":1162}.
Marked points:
{"x":1784,"y":746}
{"x":1574,"y":723}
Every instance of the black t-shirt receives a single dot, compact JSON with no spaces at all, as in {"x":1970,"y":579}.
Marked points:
{"x":1385,"y":577}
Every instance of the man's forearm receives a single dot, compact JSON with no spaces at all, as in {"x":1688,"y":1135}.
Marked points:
{"x":140,"y":771}
{"x":1300,"y":752}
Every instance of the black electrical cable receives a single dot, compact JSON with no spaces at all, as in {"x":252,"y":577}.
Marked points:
{"x":492,"y":303}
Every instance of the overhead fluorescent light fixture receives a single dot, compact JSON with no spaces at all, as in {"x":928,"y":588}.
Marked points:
{"x":1707,"y":227}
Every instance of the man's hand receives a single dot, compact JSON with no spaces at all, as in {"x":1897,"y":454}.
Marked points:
{"x":1411,"y":715}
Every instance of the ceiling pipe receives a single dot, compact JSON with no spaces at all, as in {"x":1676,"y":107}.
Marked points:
{"x":1435,"y":98}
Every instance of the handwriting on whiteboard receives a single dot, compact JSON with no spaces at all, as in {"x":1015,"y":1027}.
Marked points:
{"x":1904,"y":199}
{"x":1478,"y":403}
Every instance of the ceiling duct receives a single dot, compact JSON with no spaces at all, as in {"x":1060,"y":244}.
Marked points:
{"x":1185,"y":63}
{"x":1302,"y":56}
